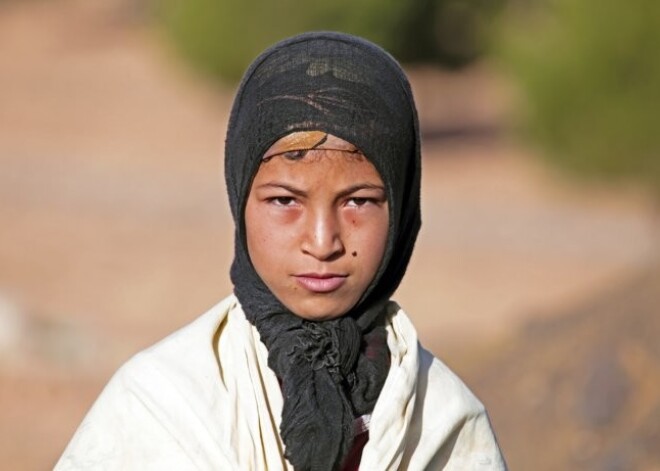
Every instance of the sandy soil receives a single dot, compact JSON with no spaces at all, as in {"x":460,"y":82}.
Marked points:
{"x":114,"y":227}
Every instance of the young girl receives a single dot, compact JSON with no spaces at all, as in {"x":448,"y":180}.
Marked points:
{"x":308,"y":365}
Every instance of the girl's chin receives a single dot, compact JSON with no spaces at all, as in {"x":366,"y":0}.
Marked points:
{"x":319,"y":311}
{"x":319,"y":316}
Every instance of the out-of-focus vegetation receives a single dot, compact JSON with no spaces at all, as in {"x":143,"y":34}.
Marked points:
{"x":590,"y":70}
{"x":223,"y":36}
{"x":451,"y":33}
{"x":591,"y":73}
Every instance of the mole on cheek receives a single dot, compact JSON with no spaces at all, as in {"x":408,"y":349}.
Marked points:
{"x":354,"y":254}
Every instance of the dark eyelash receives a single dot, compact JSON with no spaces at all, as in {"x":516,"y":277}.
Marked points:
{"x":281,"y":198}
{"x":362,"y":200}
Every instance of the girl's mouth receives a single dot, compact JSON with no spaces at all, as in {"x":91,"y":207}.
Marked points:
{"x":321,"y":283}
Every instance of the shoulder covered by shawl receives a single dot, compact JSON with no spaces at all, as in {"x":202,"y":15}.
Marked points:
{"x":451,"y":422}
{"x":156,"y":410}
{"x":204,"y":398}
{"x":426,"y":413}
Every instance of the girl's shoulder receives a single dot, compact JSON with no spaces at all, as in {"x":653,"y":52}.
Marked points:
{"x":158,"y":406}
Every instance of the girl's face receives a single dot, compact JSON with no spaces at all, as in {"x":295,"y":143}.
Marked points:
{"x":317,"y":229}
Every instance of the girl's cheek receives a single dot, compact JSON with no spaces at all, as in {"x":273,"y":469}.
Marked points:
{"x":352,"y":216}
{"x":281,"y":216}
{"x":363,"y":217}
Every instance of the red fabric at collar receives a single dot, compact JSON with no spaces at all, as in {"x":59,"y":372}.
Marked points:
{"x":352,"y":462}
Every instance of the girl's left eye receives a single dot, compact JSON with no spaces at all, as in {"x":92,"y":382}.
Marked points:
{"x":357,"y":202}
{"x":283,"y":200}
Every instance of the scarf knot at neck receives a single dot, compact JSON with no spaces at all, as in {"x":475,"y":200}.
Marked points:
{"x":333,"y":345}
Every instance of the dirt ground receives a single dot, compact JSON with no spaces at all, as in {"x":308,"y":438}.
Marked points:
{"x":115,"y":230}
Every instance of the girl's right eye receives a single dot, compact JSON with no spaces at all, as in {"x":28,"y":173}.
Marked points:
{"x":282,"y":200}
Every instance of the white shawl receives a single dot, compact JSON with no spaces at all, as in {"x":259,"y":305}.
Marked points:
{"x":204,"y":398}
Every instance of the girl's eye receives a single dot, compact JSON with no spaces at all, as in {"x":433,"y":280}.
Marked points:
{"x":357,"y":202}
{"x":283,"y":200}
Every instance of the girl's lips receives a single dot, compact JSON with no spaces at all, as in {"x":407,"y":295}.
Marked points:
{"x":320,"y":283}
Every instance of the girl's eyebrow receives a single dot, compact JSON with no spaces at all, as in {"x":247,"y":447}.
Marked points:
{"x":345,"y":192}
{"x":360,"y":186}
{"x":284,"y":186}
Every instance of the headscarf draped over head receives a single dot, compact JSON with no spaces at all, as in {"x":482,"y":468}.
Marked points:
{"x":330,"y":371}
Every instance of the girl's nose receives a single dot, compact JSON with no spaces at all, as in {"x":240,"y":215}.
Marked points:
{"x":322,"y":238}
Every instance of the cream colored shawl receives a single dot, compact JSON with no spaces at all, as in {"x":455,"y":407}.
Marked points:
{"x":204,"y":398}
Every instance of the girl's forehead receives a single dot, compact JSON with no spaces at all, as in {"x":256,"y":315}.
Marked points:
{"x":318,"y":169}
{"x":301,"y":141}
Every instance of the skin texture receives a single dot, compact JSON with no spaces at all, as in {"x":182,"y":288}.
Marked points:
{"x":316,"y":229}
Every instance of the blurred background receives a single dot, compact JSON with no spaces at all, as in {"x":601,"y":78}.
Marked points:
{"x":537,"y":272}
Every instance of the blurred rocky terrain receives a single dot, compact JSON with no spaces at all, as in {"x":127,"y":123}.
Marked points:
{"x":581,"y":391}
{"x":114,"y":231}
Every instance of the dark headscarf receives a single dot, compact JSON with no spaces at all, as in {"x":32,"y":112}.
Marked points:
{"x":330,"y":371}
